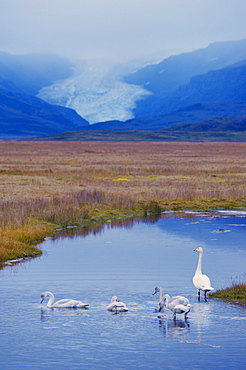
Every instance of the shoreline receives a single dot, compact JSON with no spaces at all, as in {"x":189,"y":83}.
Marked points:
{"x":235,"y":294}
{"x":50,"y":185}
{"x":27,"y":247}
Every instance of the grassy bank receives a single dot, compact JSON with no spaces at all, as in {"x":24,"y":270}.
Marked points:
{"x":236,"y":293}
{"x":45,"y":185}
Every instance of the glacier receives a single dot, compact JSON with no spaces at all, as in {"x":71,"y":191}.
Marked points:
{"x":96,"y":91}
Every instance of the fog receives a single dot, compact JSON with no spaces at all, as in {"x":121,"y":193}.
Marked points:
{"x":118,"y":30}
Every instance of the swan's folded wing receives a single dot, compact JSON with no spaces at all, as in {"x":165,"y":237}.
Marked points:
{"x":122,"y":306}
{"x":117,"y":306}
{"x":202,"y":282}
{"x":181,"y":299}
{"x":66,"y":303}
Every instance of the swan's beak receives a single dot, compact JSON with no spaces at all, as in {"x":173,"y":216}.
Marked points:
{"x":42,"y":298}
{"x":196,"y":250}
{"x":154,"y":293}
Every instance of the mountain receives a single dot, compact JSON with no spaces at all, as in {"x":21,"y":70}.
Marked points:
{"x":37,"y":92}
{"x":97,"y":91}
{"x":100,"y":91}
{"x":217,"y":124}
{"x":212,"y":129}
{"x":163,"y":78}
{"x":216,"y":93}
{"x":219,"y":86}
{"x":22,"y":114}
{"x":192,"y":113}
{"x":29,"y":73}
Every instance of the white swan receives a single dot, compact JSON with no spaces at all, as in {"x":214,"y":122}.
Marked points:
{"x":172,"y":302}
{"x":159,"y":289}
{"x":70,"y":303}
{"x":181,"y":308}
{"x":116,"y":305}
{"x":169,"y":302}
{"x":201,"y":281}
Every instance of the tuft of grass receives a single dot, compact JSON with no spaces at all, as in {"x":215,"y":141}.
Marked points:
{"x":236,"y":293}
{"x":20,"y":243}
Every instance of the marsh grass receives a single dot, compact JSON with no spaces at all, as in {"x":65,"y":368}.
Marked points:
{"x":45,"y":185}
{"x":20,"y":243}
{"x":236,"y":293}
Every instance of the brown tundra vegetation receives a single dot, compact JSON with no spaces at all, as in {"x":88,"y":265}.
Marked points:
{"x":45,"y":185}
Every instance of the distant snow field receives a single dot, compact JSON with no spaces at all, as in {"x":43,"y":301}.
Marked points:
{"x":97,"y":92}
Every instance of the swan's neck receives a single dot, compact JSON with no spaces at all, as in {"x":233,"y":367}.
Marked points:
{"x":166,"y":297}
{"x":199,"y":264}
{"x":51,"y":300}
{"x":161,"y":293}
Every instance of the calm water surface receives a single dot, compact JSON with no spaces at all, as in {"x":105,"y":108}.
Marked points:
{"x":127,"y":261}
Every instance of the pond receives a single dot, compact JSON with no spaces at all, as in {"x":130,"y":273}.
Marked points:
{"x":127,"y":258}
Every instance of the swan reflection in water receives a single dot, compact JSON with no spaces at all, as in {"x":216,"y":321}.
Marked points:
{"x":180,"y":329}
{"x":174,"y":328}
{"x":48,"y":314}
{"x":201,"y":318}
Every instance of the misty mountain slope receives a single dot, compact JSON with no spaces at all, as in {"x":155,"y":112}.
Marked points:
{"x":192,"y":113}
{"x":219,"y":124}
{"x":24,"y":115}
{"x":165,"y":77}
{"x":29,"y":73}
{"x":97,"y":92}
{"x":219,"y":86}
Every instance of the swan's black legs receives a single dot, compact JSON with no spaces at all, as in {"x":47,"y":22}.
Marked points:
{"x":199,"y":295}
{"x":186,"y":314}
{"x":205,"y":296}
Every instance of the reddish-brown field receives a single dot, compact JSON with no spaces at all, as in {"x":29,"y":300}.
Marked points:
{"x":66,"y":183}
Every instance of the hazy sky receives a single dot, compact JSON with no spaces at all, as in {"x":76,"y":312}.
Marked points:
{"x":118,"y":29}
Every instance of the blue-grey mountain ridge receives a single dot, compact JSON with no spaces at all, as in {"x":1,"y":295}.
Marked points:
{"x":207,"y":84}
